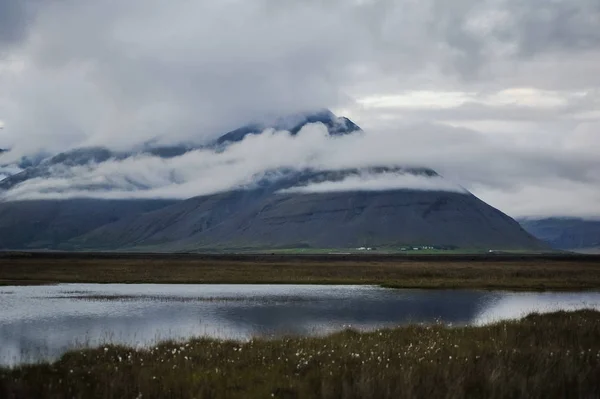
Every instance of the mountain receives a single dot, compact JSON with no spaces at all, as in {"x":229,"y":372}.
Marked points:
{"x":270,"y":216}
{"x":55,"y":165}
{"x":281,"y":208}
{"x":49,"y":223}
{"x":335,"y":125}
{"x":52,"y":166}
{"x":262,"y":219}
{"x":566,"y":233}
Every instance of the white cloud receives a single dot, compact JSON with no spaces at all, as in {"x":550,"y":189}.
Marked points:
{"x":418,"y":99}
{"x":546,"y":199}
{"x":380,"y":182}
{"x":204,"y":172}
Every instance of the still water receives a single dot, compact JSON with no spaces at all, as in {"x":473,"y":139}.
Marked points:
{"x":42,"y":322}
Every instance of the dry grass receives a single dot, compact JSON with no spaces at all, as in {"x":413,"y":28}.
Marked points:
{"x":485,"y":272}
{"x":542,"y":356}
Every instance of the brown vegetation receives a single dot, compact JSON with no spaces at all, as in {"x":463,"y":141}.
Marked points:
{"x":476,"y":271}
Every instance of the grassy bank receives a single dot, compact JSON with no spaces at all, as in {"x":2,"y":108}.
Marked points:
{"x":542,"y":356}
{"x":479,"y":272}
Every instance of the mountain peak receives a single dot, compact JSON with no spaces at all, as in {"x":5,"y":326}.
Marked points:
{"x":294,"y":123}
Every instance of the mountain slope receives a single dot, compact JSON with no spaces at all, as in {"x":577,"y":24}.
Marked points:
{"x":47,"y":224}
{"x":261,"y":219}
{"x":373,"y":218}
{"x":565,"y":233}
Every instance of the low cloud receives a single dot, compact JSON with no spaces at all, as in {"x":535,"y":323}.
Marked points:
{"x":8,"y":170}
{"x":556,"y":175}
{"x":240,"y":165}
{"x":380,"y":182}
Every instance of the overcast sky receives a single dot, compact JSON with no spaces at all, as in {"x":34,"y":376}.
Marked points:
{"x":499,"y":96}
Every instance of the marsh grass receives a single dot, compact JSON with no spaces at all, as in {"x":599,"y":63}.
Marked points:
{"x":541,"y":356}
{"x":558,"y":272}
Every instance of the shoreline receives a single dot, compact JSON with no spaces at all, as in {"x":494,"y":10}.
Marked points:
{"x":424,"y":287}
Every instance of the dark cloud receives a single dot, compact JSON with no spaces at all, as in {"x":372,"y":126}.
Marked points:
{"x":540,"y":25}
{"x":14,"y":21}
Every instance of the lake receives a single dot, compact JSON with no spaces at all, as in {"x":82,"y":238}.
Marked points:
{"x":42,"y":322}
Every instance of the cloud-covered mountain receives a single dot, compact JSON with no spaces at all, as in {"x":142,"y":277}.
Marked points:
{"x":284,"y":185}
{"x":335,"y":126}
{"x":88,"y":170}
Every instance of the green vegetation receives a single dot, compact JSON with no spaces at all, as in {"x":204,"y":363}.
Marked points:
{"x":541,"y":356}
{"x":384,"y":250}
{"x":511,"y":272}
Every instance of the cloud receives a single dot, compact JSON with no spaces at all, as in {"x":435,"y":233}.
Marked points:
{"x":15,"y":18}
{"x":380,"y":182}
{"x":555,"y":178}
{"x":113,"y":73}
{"x":500,"y":96}
{"x":119,"y":74}
{"x":241,"y":164}
{"x":562,"y":198}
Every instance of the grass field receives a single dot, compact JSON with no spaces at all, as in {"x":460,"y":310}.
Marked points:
{"x":510,"y":272}
{"x":542,"y":356}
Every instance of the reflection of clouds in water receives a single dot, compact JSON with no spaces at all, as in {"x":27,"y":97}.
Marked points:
{"x":50,"y":337}
{"x":517,"y":305}
{"x":43,"y":322}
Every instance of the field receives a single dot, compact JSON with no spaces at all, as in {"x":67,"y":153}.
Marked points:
{"x":510,"y":272}
{"x":541,"y":356}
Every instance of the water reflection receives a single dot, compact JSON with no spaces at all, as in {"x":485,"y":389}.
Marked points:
{"x":43,"y":322}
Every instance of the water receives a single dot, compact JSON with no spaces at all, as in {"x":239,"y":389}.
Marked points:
{"x":42,"y":322}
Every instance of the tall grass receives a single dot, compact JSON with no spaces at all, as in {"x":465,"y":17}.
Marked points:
{"x":486,"y":272}
{"x":541,"y":356}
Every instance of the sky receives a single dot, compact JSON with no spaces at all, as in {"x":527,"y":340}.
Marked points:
{"x":501,"y":97}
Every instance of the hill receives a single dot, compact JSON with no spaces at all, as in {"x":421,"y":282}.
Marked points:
{"x":566,"y":233}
